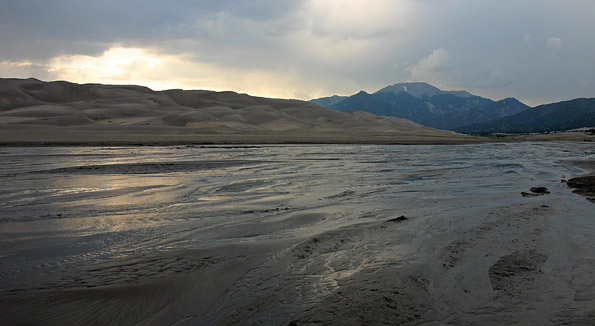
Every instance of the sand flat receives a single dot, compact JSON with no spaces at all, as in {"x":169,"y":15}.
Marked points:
{"x":295,"y":235}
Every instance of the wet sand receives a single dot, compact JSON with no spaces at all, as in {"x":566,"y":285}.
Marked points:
{"x":19,"y":135}
{"x":297,"y":236}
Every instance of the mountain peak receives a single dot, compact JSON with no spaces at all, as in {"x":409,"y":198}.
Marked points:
{"x":417,"y":89}
{"x":421,"y":90}
{"x":427,"y":105}
{"x":326,"y":102}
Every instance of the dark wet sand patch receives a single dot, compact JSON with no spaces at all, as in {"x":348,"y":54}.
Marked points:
{"x":584,"y":186}
{"x":149,"y":168}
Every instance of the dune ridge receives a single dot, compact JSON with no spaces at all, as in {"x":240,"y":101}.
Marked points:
{"x":59,"y":112}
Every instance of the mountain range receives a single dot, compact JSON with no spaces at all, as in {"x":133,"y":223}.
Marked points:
{"x":426,"y":105}
{"x":573,"y":114}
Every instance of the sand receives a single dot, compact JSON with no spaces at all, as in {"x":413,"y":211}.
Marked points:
{"x":297,"y":235}
{"x":62,"y":113}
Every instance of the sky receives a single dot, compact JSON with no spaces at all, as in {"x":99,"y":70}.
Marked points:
{"x":539,"y":51}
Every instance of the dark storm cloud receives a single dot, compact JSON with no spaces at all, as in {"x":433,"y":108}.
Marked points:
{"x":42,"y":29}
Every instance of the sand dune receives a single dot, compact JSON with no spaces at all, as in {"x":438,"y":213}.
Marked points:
{"x":62,"y":108}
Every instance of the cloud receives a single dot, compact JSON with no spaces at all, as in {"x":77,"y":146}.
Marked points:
{"x":114,"y":66}
{"x":441,"y":68}
{"x":24,"y":69}
{"x":304,"y":48}
{"x":437,"y":68}
{"x":349,"y":19}
{"x":117,"y":65}
{"x":160,"y":71}
{"x":554,"y":44}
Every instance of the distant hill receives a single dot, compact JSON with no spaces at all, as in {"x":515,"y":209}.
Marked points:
{"x":33,"y":110}
{"x":577,"y":113}
{"x":325,"y":102}
{"x":426,"y":105}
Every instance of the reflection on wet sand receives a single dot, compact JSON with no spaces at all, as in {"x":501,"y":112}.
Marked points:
{"x":294,"y":235}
